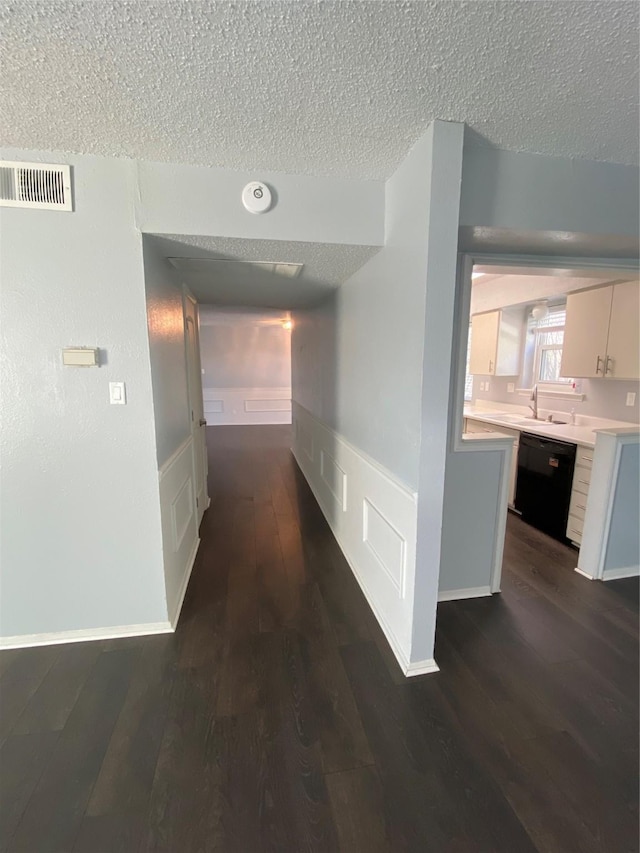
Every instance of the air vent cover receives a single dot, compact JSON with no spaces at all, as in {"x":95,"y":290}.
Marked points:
{"x":39,"y":185}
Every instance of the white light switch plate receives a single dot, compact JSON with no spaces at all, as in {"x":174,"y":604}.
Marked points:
{"x":117,"y":394}
{"x":631,"y":398}
{"x":511,"y":387}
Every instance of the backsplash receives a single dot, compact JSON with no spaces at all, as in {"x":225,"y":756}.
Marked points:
{"x":604,"y":398}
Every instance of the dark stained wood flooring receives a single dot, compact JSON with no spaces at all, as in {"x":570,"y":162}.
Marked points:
{"x":276,"y":719}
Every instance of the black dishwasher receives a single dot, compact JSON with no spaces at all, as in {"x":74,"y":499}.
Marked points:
{"x":543,"y":487}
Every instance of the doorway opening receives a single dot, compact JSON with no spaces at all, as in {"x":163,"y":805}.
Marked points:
{"x":547,"y":357}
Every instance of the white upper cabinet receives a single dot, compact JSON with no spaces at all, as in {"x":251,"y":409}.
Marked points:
{"x":601,"y":332}
{"x":495,"y":342}
{"x":623,"y":357}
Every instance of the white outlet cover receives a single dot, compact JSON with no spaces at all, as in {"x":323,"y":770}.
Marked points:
{"x":631,"y":398}
{"x":511,"y":387}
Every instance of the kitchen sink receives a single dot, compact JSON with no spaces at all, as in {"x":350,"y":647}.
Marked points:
{"x":519,"y":420}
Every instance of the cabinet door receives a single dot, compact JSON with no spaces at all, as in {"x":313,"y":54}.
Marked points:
{"x":585,"y":333}
{"x":484,"y":343}
{"x":622,"y":348}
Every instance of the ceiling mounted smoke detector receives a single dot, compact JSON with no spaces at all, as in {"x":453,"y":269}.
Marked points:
{"x":256,"y":197}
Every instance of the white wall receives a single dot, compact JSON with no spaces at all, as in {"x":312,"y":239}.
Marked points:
{"x":81,"y":546}
{"x":246,"y":363}
{"x":604,"y":398}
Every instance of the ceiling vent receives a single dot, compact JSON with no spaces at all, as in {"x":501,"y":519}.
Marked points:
{"x":38,"y":185}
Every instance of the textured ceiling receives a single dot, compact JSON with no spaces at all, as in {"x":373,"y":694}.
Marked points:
{"x":326,"y":266}
{"x":325,"y":88}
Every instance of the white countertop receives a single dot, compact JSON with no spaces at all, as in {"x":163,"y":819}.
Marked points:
{"x":584,"y":432}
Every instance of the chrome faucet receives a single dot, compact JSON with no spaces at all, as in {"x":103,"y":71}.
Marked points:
{"x":534,"y":400}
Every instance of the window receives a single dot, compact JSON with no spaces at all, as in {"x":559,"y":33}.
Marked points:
{"x":543,"y":349}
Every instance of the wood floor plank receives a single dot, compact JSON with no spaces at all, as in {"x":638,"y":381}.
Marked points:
{"x":358,"y":810}
{"x":277,"y":719}
{"x":50,"y":706}
{"x":23,"y":759}
{"x":123,"y":785}
{"x":53,"y":815}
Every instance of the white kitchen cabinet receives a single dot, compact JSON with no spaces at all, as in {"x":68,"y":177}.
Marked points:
{"x":479,"y":426}
{"x":623,"y":360}
{"x":601,"y":332}
{"x":495,"y":342}
{"x":579,"y":493}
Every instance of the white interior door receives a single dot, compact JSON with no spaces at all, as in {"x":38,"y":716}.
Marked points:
{"x":198,"y":423}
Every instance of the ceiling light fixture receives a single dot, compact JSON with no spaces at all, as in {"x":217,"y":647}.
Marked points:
{"x":287,"y":325}
{"x":540,"y":311}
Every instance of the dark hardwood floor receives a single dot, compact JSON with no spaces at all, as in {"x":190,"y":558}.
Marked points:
{"x":276,"y":719}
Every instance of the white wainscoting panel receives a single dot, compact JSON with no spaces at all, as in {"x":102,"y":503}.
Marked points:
{"x":179,"y":525}
{"x":247,"y":406}
{"x":373,"y":516}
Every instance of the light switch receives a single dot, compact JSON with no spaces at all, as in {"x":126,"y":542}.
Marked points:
{"x":117,"y":394}
{"x":511,"y":387}
{"x":631,"y":398}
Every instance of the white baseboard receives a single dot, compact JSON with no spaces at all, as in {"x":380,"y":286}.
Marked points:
{"x":185,"y":583}
{"x":619,"y":574}
{"x":460,"y":594}
{"x":584,"y":574}
{"x":373,"y":517}
{"x":247,"y":406}
{"x":84,"y":635}
{"x":422,"y":667}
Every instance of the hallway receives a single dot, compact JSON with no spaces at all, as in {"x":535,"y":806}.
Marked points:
{"x":276,"y":718}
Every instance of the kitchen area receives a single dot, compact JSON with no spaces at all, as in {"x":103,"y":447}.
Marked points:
{"x":553,"y":369}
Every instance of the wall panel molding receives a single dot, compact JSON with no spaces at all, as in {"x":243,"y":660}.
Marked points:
{"x":373,"y":517}
{"x":180,"y":538}
{"x":238,"y":406}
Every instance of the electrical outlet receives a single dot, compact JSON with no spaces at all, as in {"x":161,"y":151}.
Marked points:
{"x":631,"y":398}
{"x":487,"y":386}
{"x":482,"y":386}
{"x":511,"y":387}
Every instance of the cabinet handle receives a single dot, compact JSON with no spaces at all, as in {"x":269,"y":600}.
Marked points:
{"x":584,"y":482}
{"x":580,"y":506}
{"x":598,"y":360}
{"x":607,"y":369}
{"x":490,"y":366}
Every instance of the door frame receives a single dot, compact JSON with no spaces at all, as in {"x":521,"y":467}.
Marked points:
{"x":462,"y":309}
{"x":188,"y":295}
{"x":462,"y":316}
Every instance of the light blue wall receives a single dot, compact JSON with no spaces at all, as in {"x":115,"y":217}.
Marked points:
{"x":472,"y":492}
{"x":165,"y":323}
{"x":81,"y":542}
{"x":373,"y":361}
{"x":357,"y":358}
{"x":531,"y":192}
{"x":177,"y":199}
{"x":623,"y":547}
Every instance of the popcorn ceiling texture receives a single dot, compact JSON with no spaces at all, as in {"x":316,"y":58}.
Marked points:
{"x":326,"y":266}
{"x":323,"y":88}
